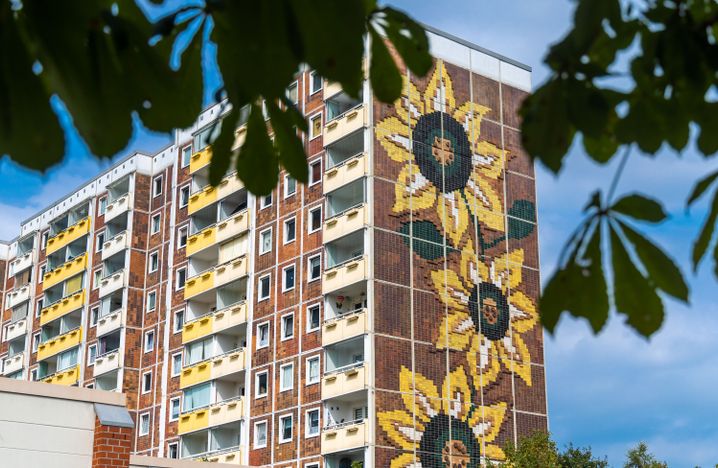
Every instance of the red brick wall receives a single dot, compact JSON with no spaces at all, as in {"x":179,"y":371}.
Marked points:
{"x":111,"y":446}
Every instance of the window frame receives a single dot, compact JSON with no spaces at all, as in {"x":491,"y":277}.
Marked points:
{"x":317,"y":162}
{"x":312,"y":75}
{"x":288,"y":194}
{"x":142,"y":388}
{"x":260,"y":325}
{"x":91,"y":362}
{"x":261,"y":298}
{"x":283,"y":327}
{"x":94,"y":316}
{"x":307,"y":377}
{"x":282,"y":384}
{"x":284,"y":230}
{"x":179,"y":406}
{"x":318,"y":306}
{"x":261,"y":243}
{"x":311,"y":118}
{"x":284,"y":278}
{"x":176,"y":330}
{"x":311,"y":279}
{"x":182,"y":154}
{"x":282,"y":439}
{"x":295,"y":85}
{"x":148,"y":335}
{"x":39,"y":305}
{"x":100,"y":245}
{"x":150,"y":294}
{"x":172,"y":364}
{"x":155,"y":255}
{"x":177,"y":278}
{"x":36,"y":337}
{"x":155,"y":180}
{"x":140,"y":430}
{"x":258,"y":395}
{"x":158,"y":217}
{"x":255,"y":439}
{"x":100,"y":208}
{"x":182,"y":203}
{"x":307,"y":433}
{"x":180,"y":245}
{"x":311,"y":230}
{"x":174,"y":445}
{"x":263,"y":199}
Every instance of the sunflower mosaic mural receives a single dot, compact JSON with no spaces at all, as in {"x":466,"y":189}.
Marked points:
{"x":449,"y":198}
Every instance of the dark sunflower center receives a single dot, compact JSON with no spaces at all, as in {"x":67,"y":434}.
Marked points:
{"x":449,"y":443}
{"x":490,"y":311}
{"x":442,"y":151}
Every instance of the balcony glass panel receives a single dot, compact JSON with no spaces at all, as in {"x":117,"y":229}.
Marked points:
{"x":344,"y":249}
{"x":344,"y":198}
{"x":344,"y":354}
{"x":344,"y":149}
{"x":339,"y":104}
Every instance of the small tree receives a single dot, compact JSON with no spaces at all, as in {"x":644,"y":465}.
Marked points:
{"x":540,"y":450}
{"x":580,"y":457}
{"x":640,"y":457}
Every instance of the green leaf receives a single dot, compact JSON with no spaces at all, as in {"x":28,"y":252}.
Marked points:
{"x":579,"y":288}
{"x":633,"y":294}
{"x":222,"y":152}
{"x":660,"y":268}
{"x":701,"y":187}
{"x":428,"y":241}
{"x":639,"y":207}
{"x":288,"y":143}
{"x":385,"y":77}
{"x":521,"y":219}
{"x":410,"y":40}
{"x":704,"y":238}
{"x":600,"y":149}
{"x":257,"y":161}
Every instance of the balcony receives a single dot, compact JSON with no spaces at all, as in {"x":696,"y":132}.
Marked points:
{"x":232,"y":226}
{"x":199,"y":283}
{"x":200,"y":159}
{"x":113,"y":282}
{"x":59,"y":344}
{"x":346,"y":172}
{"x":115,"y":245}
{"x":202,"y":240}
{"x":16,"y":329}
{"x":17,"y":296}
{"x":66,"y":270}
{"x":229,"y":185}
{"x":344,"y":223}
{"x":344,"y":381}
{"x":345,"y":274}
{"x":22,"y":262}
{"x":220,"y":366}
{"x":64,"y":237}
{"x":345,"y":124}
{"x":107,"y":363}
{"x":224,"y":412}
{"x":344,"y":327}
{"x":201,"y":199}
{"x":230,"y":456}
{"x":346,"y":436}
{"x":215,"y":277}
{"x":110,"y":322}
{"x":13,"y":364}
{"x":120,"y":206}
{"x":62,"y":307}
{"x":64,"y":377}
{"x":216,"y":322}
{"x":331,"y":88}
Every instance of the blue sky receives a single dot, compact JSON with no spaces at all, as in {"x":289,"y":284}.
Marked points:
{"x":608,"y":391}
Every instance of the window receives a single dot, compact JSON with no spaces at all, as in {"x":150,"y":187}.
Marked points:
{"x":315,"y":126}
{"x":178,"y":322}
{"x":144,"y":424}
{"x":176,"y":364}
{"x":184,"y":196}
{"x":315,"y":219}
{"x":285,"y":428}
{"x":198,"y":351}
{"x":43,"y":270}
{"x":263,"y":286}
{"x":290,"y":186}
{"x":315,"y":172}
{"x":35,"y":341}
{"x":94,"y":316}
{"x":287,"y":327}
{"x":149,"y":341}
{"x":33,"y":375}
{"x":263,"y":335}
{"x":157,"y":186}
{"x":286,"y":377}
{"x":100,"y":242}
{"x":173,"y":450}
{"x":260,"y":384}
{"x":91,"y":354}
{"x":96,"y":277}
{"x":182,"y":234}
{"x":102,"y":206}
{"x":313,"y":318}
{"x":146,"y":382}
{"x":155,"y":224}
{"x":312,"y":421}
{"x":312,"y":370}
{"x":43,"y":241}
{"x":196,"y":396}
{"x":288,"y":278}
{"x":151,"y":300}
{"x":265,"y":201}
{"x":154,"y":262}
{"x":174,"y":409}
{"x":293,"y":92}
{"x":260,"y":434}
{"x":290,"y":232}
{"x":316,"y":82}
{"x":265,"y":241}
{"x":186,"y":155}
{"x":315,"y":267}
{"x":181,"y":278}
{"x":39,"y":306}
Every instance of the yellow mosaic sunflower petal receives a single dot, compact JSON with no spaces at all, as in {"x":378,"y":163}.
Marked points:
{"x":494,"y":452}
{"x":419,"y":394}
{"x":451,"y":289}
{"x":456,"y":394}
{"x":405,"y":460}
{"x":399,"y":427}
{"x":485,"y":203}
{"x":439,"y":93}
{"x":411,"y":105}
{"x":413,"y":190}
{"x":516,"y":357}
{"x":488,"y":160}
{"x":506,"y":270}
{"x":492,"y":419}
{"x":393,"y":135}
{"x":469,"y":267}
{"x":460,"y":330}
{"x":523,"y":314}
{"x":483,"y":359}
{"x":454,"y":215}
{"x":469,"y":115}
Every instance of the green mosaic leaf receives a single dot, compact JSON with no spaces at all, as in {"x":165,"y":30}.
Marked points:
{"x":522,"y":215}
{"x":428,"y":241}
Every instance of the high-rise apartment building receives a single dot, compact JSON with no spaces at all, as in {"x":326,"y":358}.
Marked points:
{"x":384,"y":313}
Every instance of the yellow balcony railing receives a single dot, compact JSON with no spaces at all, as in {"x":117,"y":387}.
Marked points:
{"x":202,"y":240}
{"x":201,"y":199}
{"x":344,"y":327}
{"x":214,"y":368}
{"x":59,"y":344}
{"x":199,"y":284}
{"x":344,"y":381}
{"x":346,"y":436}
{"x":193,"y":421}
{"x":64,"y":237}
{"x":65,"y":377}
{"x":215,"y":322}
{"x":345,"y":274}
{"x":64,"y":271}
{"x":64,"y":306}
{"x":200,"y":159}
{"x":213,"y":415}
